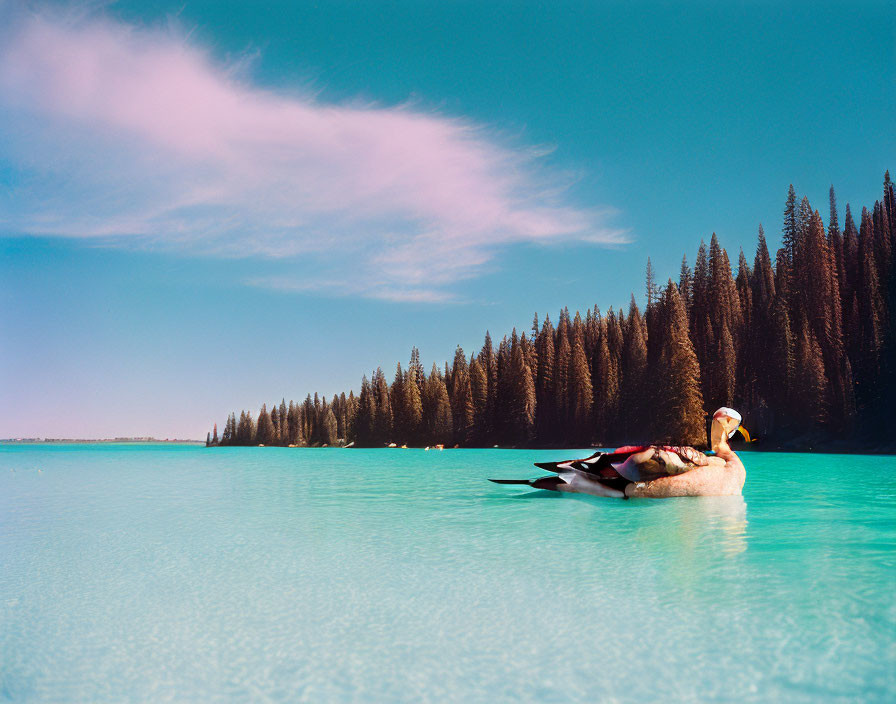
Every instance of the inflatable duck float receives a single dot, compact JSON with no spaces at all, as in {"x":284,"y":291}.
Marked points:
{"x":653,"y":471}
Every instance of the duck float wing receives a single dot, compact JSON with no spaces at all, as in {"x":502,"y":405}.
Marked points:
{"x":597,"y":464}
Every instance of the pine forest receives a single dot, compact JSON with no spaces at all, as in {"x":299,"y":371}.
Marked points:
{"x":801,"y":342}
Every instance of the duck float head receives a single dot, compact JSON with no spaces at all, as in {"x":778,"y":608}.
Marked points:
{"x":725,"y":423}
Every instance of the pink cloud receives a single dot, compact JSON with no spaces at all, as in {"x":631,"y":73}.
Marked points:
{"x":137,"y":134}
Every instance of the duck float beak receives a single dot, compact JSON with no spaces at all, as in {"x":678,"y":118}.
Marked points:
{"x":743,"y":431}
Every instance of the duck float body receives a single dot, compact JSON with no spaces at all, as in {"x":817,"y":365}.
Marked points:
{"x":652,"y":471}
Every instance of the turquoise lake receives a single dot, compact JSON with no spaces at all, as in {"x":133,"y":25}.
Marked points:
{"x":175,"y":573}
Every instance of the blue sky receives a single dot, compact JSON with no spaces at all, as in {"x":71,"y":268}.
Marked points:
{"x":207,"y":205}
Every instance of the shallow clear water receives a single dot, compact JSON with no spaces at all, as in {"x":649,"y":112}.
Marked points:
{"x":154,"y":573}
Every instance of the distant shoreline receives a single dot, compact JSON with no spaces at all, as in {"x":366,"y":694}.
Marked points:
{"x":833,"y":448}
{"x":94,"y":441}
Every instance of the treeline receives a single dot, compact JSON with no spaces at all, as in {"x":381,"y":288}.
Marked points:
{"x":802,"y":344}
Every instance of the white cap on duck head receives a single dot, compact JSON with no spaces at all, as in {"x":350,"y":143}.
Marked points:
{"x":724,"y":411}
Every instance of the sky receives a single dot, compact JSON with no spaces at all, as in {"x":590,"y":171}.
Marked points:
{"x":209,"y":205}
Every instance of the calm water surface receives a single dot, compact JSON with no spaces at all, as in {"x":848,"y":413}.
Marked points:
{"x":155,"y":573}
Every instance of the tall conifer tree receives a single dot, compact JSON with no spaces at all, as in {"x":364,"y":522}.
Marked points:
{"x":680,"y":414}
{"x":790,"y":231}
{"x":382,"y":425}
{"x":264,"y":433}
{"x":397,"y":402}
{"x":580,"y":389}
{"x":479,"y":395}
{"x":436,"y":409}
{"x":413,"y":406}
{"x":633,"y":390}
{"x":461,"y":396}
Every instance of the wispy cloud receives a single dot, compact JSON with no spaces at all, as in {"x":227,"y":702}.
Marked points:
{"x":135,"y":134}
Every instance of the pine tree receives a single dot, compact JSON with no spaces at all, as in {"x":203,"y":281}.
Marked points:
{"x":888,"y":293}
{"x":317,"y":421}
{"x":782,"y":277}
{"x":436,"y":409}
{"x":563,"y":323}
{"x":790,"y":231}
{"x":282,"y":438}
{"x":724,"y":299}
{"x":308,"y":420}
{"x":700,"y":325}
{"x":479,"y":395}
{"x":530,"y":357}
{"x":264,"y":433}
{"x":890,"y":203}
{"x":293,"y":426}
{"x":365,"y":415}
{"x":561,"y":382}
{"x":215,"y":440}
{"x":351,"y":411}
{"x":544,"y":383}
{"x":240,"y":435}
{"x":849,"y":288}
{"x":530,"y":351}
{"x":798,"y":276}
{"x":756,"y":381}
{"x":651,"y":286}
{"x":337,"y":405}
{"x":780,"y":360}
{"x":883,"y":254}
{"x":633,"y":390}
{"x":227,"y":437}
{"x":246,"y":429}
{"x":871,"y":315}
{"x":745,"y":385}
{"x":811,"y":384}
{"x":275,"y":425}
{"x":397,"y":400}
{"x":382,"y":424}
{"x":413,"y":405}
{"x":329,"y":435}
{"x":723,"y":310}
{"x":680,"y":415}
{"x":685,"y":277}
{"x":489,"y":362}
{"x":605,"y":378}
{"x":764,"y":276}
{"x":342,"y":417}
{"x":503,"y":424}
{"x":743,"y":282}
{"x":580,"y":389}
{"x":725,"y":368}
{"x":817,"y":294}
{"x":520,"y":397}
{"x":835,"y":242}
{"x":461,"y":396}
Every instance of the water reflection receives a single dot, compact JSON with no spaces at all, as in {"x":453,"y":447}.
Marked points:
{"x":726,"y":517}
{"x":696,"y":542}
{"x":713,"y":525}
{"x":717,"y":522}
